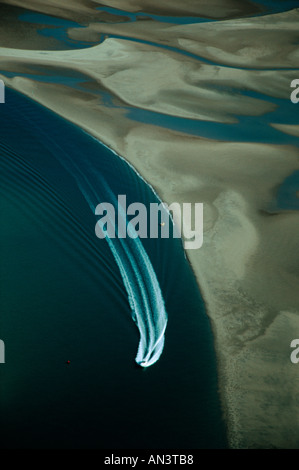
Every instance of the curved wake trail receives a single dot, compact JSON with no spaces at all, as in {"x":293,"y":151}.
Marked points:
{"x":144,"y":293}
{"x":139,"y":278}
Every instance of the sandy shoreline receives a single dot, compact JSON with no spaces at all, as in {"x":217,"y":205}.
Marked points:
{"x":247,"y":269}
{"x":83,"y":8}
{"x":214,"y":40}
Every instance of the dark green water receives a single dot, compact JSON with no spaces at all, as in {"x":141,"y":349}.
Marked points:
{"x":62,"y":298}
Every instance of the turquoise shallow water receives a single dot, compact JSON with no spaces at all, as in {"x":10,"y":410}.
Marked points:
{"x":63,"y":298}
